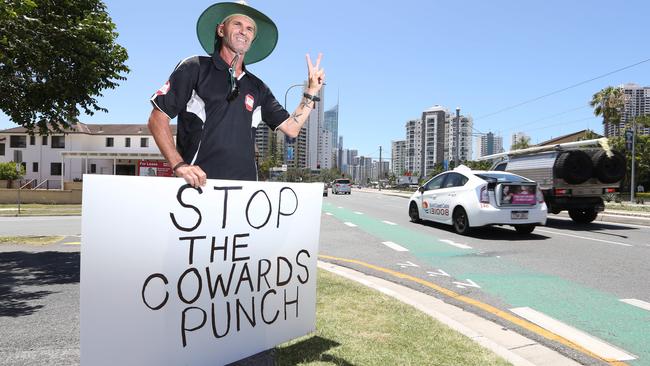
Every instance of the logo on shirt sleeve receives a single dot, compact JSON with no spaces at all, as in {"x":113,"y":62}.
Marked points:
{"x":250,"y":101}
{"x":163,"y":89}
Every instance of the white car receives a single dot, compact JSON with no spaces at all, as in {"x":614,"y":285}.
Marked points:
{"x":468,"y":198}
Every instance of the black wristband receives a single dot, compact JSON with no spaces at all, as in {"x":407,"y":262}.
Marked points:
{"x":313,"y":98}
{"x":182,"y":163}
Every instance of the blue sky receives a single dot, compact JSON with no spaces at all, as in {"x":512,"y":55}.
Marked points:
{"x":390,"y":60}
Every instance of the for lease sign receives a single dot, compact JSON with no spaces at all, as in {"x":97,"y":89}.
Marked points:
{"x":173,"y":275}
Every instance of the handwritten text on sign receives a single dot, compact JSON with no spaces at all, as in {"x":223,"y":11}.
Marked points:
{"x":206,"y":276}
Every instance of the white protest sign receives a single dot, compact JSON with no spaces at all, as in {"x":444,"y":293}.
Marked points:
{"x":172,"y":275}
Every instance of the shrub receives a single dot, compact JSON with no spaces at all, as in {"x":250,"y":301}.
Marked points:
{"x":8,"y":171}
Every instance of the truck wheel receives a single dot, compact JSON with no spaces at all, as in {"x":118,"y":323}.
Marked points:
{"x":524,"y":229}
{"x":573,"y":166}
{"x":460,"y":221}
{"x":609,"y":170}
{"x":583,"y":216}
{"x":414,"y":214}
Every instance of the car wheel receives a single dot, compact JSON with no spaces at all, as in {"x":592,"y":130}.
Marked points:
{"x":583,"y":216}
{"x":414,"y":214}
{"x":460,"y":221}
{"x":524,"y":229}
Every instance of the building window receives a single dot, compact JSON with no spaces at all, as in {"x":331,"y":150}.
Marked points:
{"x":55,"y":168}
{"x":58,"y":142}
{"x":2,"y":149}
{"x":93,"y":168}
{"x":144,"y":142}
{"x":18,"y":141}
{"x":127,"y":142}
{"x":24,"y":165}
{"x":44,"y":141}
{"x":35,"y":167}
{"x":32,"y":140}
{"x":109,"y":142}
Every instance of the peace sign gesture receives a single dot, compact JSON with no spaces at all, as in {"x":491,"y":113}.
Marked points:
{"x":316,"y":74}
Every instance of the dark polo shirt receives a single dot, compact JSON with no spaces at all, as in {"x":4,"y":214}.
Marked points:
{"x":216,"y":134}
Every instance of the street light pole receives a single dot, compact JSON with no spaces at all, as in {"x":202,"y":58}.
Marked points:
{"x":295,"y":156}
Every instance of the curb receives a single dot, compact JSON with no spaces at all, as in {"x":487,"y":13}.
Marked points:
{"x":513,"y":347}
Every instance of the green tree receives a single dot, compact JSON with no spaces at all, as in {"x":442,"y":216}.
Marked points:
{"x":8,"y":172}
{"x":478,"y":164}
{"x":588,"y":135}
{"x":522,"y":143}
{"x":608,"y":103}
{"x":56,"y":58}
{"x":642,"y":156}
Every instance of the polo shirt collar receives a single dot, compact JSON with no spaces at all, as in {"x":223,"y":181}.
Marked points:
{"x":221,"y":64}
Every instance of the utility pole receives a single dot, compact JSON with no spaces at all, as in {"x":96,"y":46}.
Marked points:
{"x":379,"y":170}
{"x":633,"y":160}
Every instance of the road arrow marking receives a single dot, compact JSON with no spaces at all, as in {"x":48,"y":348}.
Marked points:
{"x":469,"y":283}
{"x":638,"y":303}
{"x":350,"y":224}
{"x":407,"y":264}
{"x":586,"y":341}
{"x":457,"y":245}
{"x":440,"y":272}
{"x":389,"y":223}
{"x":394,"y":246}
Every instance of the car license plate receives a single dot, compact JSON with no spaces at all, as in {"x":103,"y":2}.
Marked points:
{"x":518,"y":215}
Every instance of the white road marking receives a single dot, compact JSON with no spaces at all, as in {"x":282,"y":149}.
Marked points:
{"x":394,"y":246}
{"x":350,"y":224}
{"x":407,"y":264}
{"x":457,"y":245}
{"x":440,"y":272}
{"x":339,"y":207}
{"x":585,"y":237}
{"x":638,"y":303}
{"x":389,"y":222}
{"x":587,"y":341}
{"x":469,"y":283}
{"x":329,"y":214}
{"x":358,"y":213}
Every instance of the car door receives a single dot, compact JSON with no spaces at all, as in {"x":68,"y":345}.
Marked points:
{"x":430,"y":196}
{"x":449,"y":195}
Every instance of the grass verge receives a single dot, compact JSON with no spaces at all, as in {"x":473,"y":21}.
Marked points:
{"x":30,"y":240}
{"x":627,"y":207}
{"x":359,"y":326}
{"x":34,"y":209}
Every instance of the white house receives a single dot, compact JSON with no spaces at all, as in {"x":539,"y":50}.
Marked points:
{"x":121,"y":149}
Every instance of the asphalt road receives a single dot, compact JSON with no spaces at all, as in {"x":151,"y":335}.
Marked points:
{"x":577,"y":274}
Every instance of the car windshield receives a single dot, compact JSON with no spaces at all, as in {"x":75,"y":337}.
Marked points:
{"x":342,"y":181}
{"x":501,"y":177}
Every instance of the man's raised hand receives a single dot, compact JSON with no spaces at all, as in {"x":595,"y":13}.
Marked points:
{"x":316,"y":74}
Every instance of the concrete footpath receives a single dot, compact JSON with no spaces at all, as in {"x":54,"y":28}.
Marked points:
{"x":515,"y":348}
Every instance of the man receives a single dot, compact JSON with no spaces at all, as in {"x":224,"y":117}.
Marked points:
{"x":219,"y":103}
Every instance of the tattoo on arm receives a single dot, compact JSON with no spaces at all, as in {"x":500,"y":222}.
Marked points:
{"x":295,"y":117}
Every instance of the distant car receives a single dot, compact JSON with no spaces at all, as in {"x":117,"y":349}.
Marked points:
{"x":341,"y":185}
{"x":466,"y":198}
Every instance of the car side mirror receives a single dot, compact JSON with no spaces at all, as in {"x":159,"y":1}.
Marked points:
{"x":421,"y":189}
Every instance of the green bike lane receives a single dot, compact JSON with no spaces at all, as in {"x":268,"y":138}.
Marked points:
{"x":595,"y":312}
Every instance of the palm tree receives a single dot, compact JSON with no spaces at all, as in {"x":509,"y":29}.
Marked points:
{"x":608,"y":103}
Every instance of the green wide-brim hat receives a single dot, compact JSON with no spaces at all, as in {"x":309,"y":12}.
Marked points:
{"x":266,"y":35}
